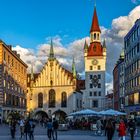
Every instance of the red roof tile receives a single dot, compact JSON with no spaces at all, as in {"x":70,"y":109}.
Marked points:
{"x":95,"y":49}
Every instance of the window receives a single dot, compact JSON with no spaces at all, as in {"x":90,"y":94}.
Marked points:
{"x":99,"y":67}
{"x":94,"y":36}
{"x":12,"y":62}
{"x":138,"y":48}
{"x":90,"y":93}
{"x":4,"y":55}
{"x":16,"y":65}
{"x":131,"y":99}
{"x":80,"y":103}
{"x":95,"y":103}
{"x":90,"y":76}
{"x":51,"y":98}
{"x":91,"y":86}
{"x":77,"y":103}
{"x":99,"y":93}
{"x":99,"y":85}
{"x":8,"y":59}
{"x":22,"y":70}
{"x":99,"y":76}
{"x":4,"y":83}
{"x":19,"y":67}
{"x":64,"y":99}
{"x":90,"y":68}
{"x":40,"y":100}
{"x":95,"y":93}
{"x":98,"y":36}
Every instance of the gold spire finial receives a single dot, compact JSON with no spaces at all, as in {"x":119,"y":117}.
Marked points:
{"x":94,"y":3}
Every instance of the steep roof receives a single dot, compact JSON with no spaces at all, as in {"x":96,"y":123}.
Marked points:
{"x":95,"y":24}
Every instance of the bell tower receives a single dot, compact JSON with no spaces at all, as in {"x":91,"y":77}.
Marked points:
{"x":95,"y":31}
{"x":95,"y":67}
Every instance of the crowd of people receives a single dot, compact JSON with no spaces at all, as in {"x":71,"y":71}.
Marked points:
{"x":27,"y":128}
{"x":107,"y":127}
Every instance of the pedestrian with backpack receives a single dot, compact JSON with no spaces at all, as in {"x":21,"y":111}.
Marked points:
{"x":49,"y":128}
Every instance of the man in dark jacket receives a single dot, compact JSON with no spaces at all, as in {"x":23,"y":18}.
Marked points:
{"x":55,"y":127}
{"x":13,"y":127}
{"x":132,"y":128}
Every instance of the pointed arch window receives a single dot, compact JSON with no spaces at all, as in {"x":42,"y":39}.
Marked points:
{"x":52,"y":98}
{"x":64,"y":99}
{"x":40,"y":100}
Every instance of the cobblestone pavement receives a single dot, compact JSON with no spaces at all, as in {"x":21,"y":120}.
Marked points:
{"x":40,"y":134}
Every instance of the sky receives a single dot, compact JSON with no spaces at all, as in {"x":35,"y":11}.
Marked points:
{"x":28,"y":25}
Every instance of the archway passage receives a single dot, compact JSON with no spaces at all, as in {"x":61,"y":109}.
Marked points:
{"x":60,"y":115}
{"x":13,"y":115}
{"x":40,"y":115}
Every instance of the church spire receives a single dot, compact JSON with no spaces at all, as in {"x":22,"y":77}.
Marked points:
{"x":73,"y":68}
{"x":104,"y":44}
{"x":95,"y":24}
{"x":51,"y":56}
{"x":85,"y":45}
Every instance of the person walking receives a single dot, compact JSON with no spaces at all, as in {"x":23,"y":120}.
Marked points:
{"x":99,"y":127}
{"x":31,"y":132}
{"x":27,"y":128}
{"x":49,"y":129}
{"x":131,"y":128}
{"x":55,"y":128}
{"x":109,"y":129}
{"x":21,"y":124}
{"x":13,"y":127}
{"x":122,"y":130}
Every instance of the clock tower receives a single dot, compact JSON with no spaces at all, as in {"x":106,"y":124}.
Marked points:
{"x":95,"y":67}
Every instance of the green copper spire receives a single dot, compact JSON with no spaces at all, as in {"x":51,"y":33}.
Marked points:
{"x":51,"y":51}
{"x":85,"y":45}
{"x":104,"y":44}
{"x":122,"y":54}
{"x":73,"y":69}
{"x":32,"y":73}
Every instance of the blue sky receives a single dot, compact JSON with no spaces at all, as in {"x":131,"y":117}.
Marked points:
{"x":29,"y":22}
{"x":28,"y":25}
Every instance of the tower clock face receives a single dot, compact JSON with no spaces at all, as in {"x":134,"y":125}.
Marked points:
{"x":94,"y":61}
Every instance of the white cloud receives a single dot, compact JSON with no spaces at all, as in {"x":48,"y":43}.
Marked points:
{"x":114,"y":39}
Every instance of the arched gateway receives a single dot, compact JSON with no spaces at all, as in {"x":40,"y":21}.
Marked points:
{"x":59,"y":115}
{"x":38,"y":115}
